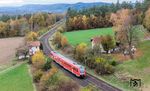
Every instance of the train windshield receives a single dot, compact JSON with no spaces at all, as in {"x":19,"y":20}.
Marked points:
{"x":82,"y":69}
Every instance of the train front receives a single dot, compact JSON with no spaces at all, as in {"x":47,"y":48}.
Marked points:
{"x":82,"y":71}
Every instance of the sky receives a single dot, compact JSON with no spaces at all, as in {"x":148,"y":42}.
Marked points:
{"x":23,"y":2}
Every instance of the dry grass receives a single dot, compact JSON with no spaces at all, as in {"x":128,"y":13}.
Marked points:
{"x":8,"y":48}
{"x":121,"y":57}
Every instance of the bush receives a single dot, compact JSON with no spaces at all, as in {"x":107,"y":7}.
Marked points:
{"x":47,"y":65}
{"x":67,"y":85}
{"x":49,"y":80}
{"x":103,"y":67}
{"x":37,"y":75}
{"x":113,"y":63}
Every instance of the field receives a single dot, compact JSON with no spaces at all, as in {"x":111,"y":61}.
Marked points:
{"x":17,"y":79}
{"x":7,"y":50}
{"x":139,"y":68}
{"x":77,"y":37}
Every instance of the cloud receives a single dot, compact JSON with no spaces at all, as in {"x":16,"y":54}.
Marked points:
{"x":10,"y":1}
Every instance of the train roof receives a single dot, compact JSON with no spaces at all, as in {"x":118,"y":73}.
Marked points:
{"x":68,"y":60}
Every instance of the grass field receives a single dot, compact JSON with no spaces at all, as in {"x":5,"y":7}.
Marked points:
{"x":17,"y":79}
{"x":77,"y":37}
{"x":139,"y":68}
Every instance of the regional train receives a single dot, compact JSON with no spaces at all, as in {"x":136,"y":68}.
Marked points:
{"x":68,"y":64}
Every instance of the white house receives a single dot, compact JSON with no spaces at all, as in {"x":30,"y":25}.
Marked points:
{"x":97,"y":41}
{"x":34,"y":47}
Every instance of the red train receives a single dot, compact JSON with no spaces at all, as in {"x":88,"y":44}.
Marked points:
{"x":68,"y":64}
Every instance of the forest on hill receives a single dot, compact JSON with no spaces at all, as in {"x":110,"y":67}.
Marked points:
{"x":99,"y":16}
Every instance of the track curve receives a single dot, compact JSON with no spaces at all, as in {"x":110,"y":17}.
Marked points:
{"x":83,"y":82}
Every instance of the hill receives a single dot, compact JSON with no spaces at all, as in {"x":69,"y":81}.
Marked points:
{"x":51,"y":8}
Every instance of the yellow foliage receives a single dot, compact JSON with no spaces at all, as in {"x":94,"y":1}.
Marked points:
{"x":46,"y":76}
{"x":64,"y":41}
{"x":3,"y":27}
{"x":38,"y":59}
{"x":147,"y":19}
{"x":32,"y":36}
{"x":81,"y":48}
{"x":100,"y":60}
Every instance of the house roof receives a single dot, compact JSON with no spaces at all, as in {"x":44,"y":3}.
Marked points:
{"x":96,"y":40}
{"x":34,"y":43}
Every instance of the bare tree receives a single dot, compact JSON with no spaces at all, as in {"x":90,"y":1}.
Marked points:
{"x":124,"y":24}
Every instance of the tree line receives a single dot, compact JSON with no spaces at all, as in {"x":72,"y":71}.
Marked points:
{"x":11,"y":26}
{"x":99,"y":16}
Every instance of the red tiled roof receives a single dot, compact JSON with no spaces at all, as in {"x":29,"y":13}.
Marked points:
{"x":34,"y":43}
{"x":96,"y":40}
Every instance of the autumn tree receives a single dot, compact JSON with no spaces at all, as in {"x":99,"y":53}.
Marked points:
{"x":32,"y":36}
{"x":57,"y":39}
{"x":24,"y":26}
{"x":124,"y":24}
{"x":147,"y":19}
{"x":64,"y":42}
{"x":36,"y":21}
{"x":108,"y":42}
{"x":4,"y":27}
{"x":80,"y":51}
{"x":38,"y":60}
{"x":49,"y":80}
{"x":85,"y":22}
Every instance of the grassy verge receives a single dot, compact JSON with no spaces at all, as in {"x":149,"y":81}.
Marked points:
{"x":17,"y":79}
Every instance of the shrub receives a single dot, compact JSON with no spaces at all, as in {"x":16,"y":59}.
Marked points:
{"x":49,"y":80}
{"x":67,"y":85}
{"x":113,"y":63}
{"x":37,"y":75}
{"x":47,"y":65}
{"x":38,"y":60}
{"x":103,"y":67}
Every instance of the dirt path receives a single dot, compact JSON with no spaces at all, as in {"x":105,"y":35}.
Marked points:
{"x":8,"y":48}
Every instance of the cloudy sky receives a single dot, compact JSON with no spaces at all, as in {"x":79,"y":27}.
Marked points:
{"x":22,"y":2}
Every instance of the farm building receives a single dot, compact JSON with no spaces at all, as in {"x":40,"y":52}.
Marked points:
{"x":97,"y":41}
{"x":34,"y":47}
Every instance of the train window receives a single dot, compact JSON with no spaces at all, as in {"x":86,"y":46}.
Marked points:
{"x":75,"y":69}
{"x":66,"y":64}
{"x":82,"y":69}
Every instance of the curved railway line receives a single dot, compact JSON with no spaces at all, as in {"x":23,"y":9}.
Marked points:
{"x":83,"y":82}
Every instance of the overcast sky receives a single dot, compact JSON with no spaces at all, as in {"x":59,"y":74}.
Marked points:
{"x":22,"y":2}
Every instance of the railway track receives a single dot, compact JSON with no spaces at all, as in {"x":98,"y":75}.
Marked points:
{"x":89,"y":79}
